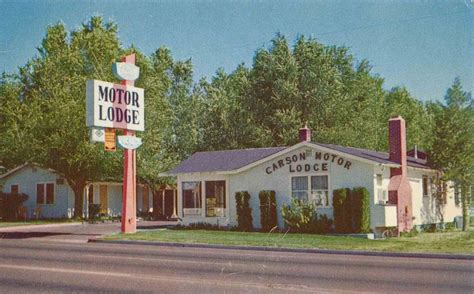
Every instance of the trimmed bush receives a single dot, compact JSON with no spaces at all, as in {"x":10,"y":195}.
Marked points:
{"x":342,"y":211}
{"x":268,"y":213}
{"x":321,"y":225}
{"x":360,"y":210}
{"x":299,"y":215}
{"x":9,"y":204}
{"x":244,"y":212}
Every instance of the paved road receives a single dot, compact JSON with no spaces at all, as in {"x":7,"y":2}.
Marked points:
{"x":71,"y":232}
{"x":38,"y":266}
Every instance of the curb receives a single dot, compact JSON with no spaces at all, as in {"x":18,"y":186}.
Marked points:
{"x":13,"y":228}
{"x":292,"y":250}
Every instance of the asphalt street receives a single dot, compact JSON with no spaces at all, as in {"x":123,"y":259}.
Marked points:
{"x":33,"y":266}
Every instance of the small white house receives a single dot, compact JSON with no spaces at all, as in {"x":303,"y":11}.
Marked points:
{"x":50,"y":196}
{"x":401,"y":187}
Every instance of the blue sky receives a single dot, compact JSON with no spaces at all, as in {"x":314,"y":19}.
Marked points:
{"x":422,"y":45}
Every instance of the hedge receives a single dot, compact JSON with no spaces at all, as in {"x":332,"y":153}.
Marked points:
{"x":342,"y":211}
{"x":360,"y":210}
{"x":268,"y":212}
{"x":9,"y":204}
{"x":244,"y":212}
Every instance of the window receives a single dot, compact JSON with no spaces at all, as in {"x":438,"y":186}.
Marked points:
{"x":215,"y":198}
{"x":320,"y":190}
{"x":14,"y":189}
{"x":45,"y":193}
{"x":382,"y":196}
{"x":299,"y":188}
{"x":192,"y":198}
{"x":318,"y":193}
{"x":379,"y":180}
{"x":425,"y":186}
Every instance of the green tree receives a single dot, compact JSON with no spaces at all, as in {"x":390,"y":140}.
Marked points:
{"x":453,"y":146}
{"x":398,"y":101}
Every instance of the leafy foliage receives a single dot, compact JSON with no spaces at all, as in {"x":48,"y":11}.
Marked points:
{"x":453,"y":146}
{"x":268,"y":212}
{"x":244,"y":212}
{"x":301,"y":217}
{"x":360,"y":204}
{"x":9,"y":204}
{"x":342,"y":210}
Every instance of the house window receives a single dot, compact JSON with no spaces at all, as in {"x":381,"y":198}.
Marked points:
{"x":382,"y":196}
{"x":192,"y":198}
{"x":320,"y":191}
{"x":379,"y":180}
{"x":299,"y":188}
{"x":215,"y":198}
{"x":425,"y":186}
{"x":317,"y":193}
{"x":45,"y":193}
{"x":14,"y":189}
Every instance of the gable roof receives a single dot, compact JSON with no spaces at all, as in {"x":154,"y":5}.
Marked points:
{"x":20,"y":167}
{"x":232,"y":160}
{"x":224,"y":160}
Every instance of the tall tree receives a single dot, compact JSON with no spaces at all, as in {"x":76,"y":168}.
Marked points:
{"x":53,"y":92}
{"x":453,"y":146}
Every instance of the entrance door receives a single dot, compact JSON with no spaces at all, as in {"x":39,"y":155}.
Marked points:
{"x":157,"y":205}
{"x":103,"y":199}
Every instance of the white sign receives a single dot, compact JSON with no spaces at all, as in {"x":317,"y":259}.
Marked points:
{"x":115,"y":106}
{"x":126,"y":71}
{"x":97,"y":135}
{"x":129,"y":142}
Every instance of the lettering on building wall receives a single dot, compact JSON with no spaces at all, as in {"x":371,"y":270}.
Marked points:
{"x":294,"y":163}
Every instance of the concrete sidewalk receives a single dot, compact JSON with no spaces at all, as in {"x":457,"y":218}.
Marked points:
{"x":72,"y":232}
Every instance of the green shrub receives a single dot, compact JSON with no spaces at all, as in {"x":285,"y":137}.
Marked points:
{"x":321,"y":225}
{"x":299,"y":215}
{"x":268,"y":213}
{"x":412,"y":233}
{"x":10,"y":203}
{"x":430,"y":228}
{"x":200,"y":226}
{"x":244,"y":212}
{"x":449,"y":226}
{"x":94,"y":212}
{"x":342,"y":211}
{"x":360,"y":210}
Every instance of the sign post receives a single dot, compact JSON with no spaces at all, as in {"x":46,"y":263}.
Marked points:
{"x":111,"y":106}
{"x":129,"y":211}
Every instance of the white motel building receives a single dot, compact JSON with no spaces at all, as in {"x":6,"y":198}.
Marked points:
{"x":401,"y":184}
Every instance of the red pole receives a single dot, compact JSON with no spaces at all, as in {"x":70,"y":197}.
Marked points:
{"x":129,"y":194}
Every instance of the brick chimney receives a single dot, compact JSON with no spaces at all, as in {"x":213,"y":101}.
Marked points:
{"x":399,"y":189}
{"x":305,"y":134}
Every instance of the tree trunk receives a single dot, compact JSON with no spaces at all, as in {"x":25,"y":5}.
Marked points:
{"x":465,"y":207}
{"x":78,"y":189}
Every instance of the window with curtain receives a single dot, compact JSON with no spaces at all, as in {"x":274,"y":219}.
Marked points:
{"x":299,"y":187}
{"x":192,"y":198}
{"x":320,"y":191}
{"x":45,"y":193}
{"x":215,"y":198}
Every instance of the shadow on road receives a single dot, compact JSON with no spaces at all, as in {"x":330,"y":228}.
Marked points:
{"x":26,"y":235}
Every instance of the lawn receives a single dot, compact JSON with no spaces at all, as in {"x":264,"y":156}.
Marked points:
{"x":442,"y":242}
{"x":32,"y":222}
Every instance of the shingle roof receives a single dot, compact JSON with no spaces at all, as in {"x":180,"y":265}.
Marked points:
{"x":223,"y":160}
{"x":228,"y":160}
{"x":380,"y":157}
